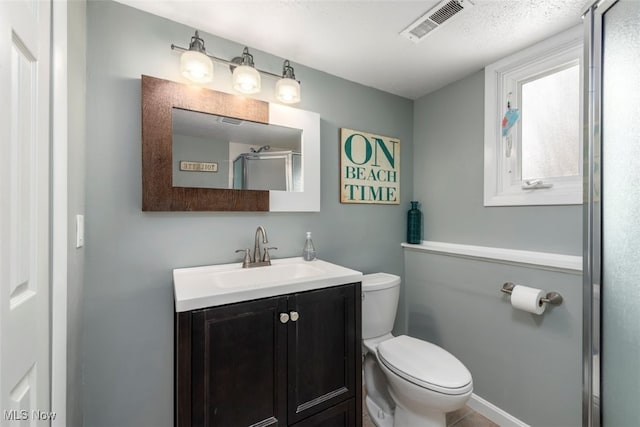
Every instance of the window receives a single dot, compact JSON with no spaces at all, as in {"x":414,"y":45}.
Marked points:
{"x":539,"y":160}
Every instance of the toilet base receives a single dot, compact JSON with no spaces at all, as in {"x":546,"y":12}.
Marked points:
{"x":379,"y":417}
{"x":403,"y":417}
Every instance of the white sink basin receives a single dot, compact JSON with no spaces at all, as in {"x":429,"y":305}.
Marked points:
{"x":208,"y":286}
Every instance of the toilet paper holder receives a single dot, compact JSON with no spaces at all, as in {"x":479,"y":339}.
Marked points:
{"x":553,"y":298}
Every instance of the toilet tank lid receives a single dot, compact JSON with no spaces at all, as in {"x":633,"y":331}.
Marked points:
{"x":379,"y":281}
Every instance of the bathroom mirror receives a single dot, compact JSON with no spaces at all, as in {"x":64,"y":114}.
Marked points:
{"x":213,"y":151}
{"x":162,"y":99}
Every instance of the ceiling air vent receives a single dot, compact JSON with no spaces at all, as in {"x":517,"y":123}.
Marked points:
{"x":230,"y":120}
{"x":435,"y":18}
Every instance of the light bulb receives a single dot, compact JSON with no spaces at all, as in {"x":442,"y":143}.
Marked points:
{"x":196,"y":67}
{"x":246,"y":79}
{"x":288,"y":91}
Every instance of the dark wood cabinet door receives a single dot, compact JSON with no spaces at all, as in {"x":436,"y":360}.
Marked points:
{"x":324,"y":350}
{"x":239,"y":364}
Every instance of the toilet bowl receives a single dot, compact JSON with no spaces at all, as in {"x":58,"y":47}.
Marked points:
{"x":409,"y":382}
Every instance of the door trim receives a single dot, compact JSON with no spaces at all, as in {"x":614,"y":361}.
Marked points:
{"x":59,"y":212}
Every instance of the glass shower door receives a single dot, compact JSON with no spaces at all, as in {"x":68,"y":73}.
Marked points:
{"x":612,"y":235}
{"x":621,"y":214}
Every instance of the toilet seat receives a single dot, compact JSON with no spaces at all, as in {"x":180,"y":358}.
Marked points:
{"x":426,"y":365}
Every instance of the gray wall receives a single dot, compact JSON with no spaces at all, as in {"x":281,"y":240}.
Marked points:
{"x":528,"y":366}
{"x":128,"y":298}
{"x":449,"y":178}
{"x":194,"y":149}
{"x":76,"y":128}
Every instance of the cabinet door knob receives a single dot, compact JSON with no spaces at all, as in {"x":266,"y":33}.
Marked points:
{"x":284,"y":317}
{"x":294,"y":316}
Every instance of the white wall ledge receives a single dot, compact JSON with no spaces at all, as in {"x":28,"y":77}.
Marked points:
{"x":542,"y":260}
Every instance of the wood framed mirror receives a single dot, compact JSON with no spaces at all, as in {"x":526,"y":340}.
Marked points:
{"x":159,"y":97}
{"x":163,"y":99}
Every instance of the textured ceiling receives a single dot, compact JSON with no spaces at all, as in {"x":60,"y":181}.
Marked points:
{"x":359,"y":40}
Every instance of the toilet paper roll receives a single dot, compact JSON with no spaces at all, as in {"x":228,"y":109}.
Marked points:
{"x":528,"y":299}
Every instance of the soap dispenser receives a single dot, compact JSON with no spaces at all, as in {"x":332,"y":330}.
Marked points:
{"x":309,"y":252}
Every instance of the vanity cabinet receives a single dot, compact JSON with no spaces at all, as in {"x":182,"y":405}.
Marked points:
{"x":286,"y":360}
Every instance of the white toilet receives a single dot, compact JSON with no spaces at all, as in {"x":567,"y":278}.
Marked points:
{"x":409,"y":382}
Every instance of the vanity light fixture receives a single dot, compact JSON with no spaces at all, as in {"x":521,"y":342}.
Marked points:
{"x":246,"y":79}
{"x":196,"y":65}
{"x":288,"y":88}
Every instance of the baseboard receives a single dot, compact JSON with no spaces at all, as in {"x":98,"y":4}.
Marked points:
{"x":492,"y":412}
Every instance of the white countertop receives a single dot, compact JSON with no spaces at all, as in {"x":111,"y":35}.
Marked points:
{"x":213,"y":285}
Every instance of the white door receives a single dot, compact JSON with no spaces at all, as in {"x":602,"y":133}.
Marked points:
{"x":24,"y":212}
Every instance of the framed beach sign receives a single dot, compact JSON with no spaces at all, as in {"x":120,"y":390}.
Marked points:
{"x":369,"y":168}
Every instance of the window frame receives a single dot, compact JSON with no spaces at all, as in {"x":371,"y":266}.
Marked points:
{"x":507,"y":75}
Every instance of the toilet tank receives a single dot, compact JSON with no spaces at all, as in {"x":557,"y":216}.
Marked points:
{"x":380,"y":293}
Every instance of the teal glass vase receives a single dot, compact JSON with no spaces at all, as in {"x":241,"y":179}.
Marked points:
{"x":414,"y":224}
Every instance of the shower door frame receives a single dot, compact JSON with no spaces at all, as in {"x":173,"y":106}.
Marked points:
{"x":592,"y":214}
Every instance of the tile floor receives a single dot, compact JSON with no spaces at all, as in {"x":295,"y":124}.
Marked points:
{"x":465,"y":417}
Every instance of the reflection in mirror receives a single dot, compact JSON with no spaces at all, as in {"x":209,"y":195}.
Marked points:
{"x":212,"y":151}
{"x":160,"y":97}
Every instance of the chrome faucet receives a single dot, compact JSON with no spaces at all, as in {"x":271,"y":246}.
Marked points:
{"x":256,"y":246}
{"x":255,"y":260}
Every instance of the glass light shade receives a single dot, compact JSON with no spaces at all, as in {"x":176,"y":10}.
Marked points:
{"x":246,"y":79}
{"x":288,"y":90}
{"x":196,"y":66}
